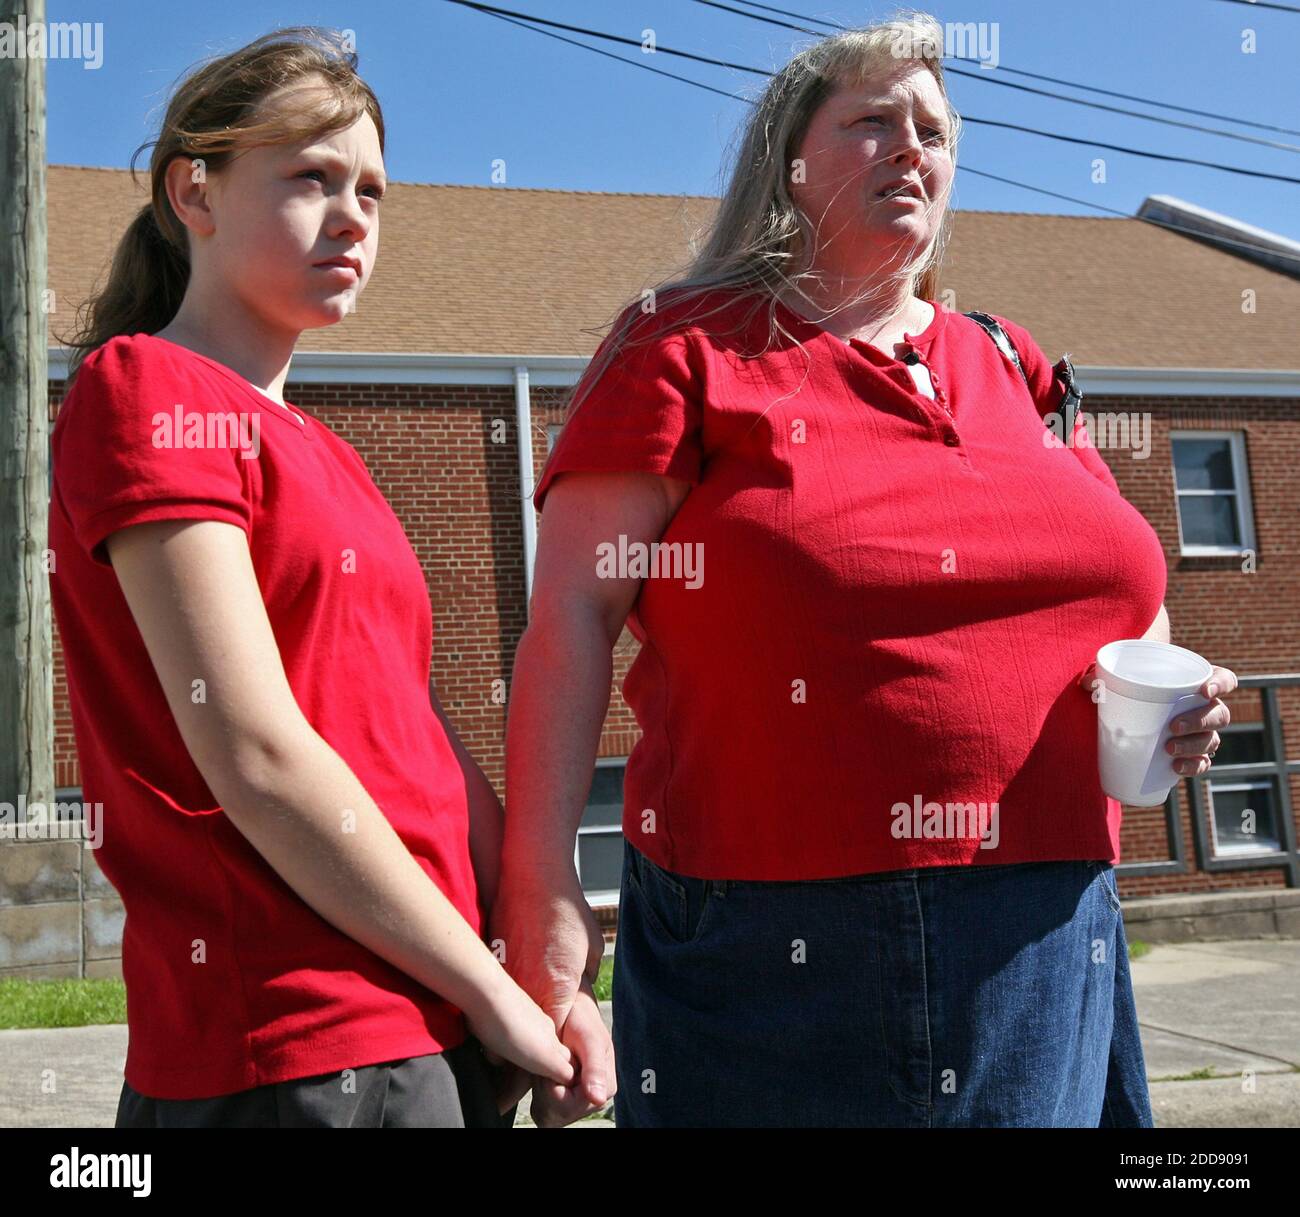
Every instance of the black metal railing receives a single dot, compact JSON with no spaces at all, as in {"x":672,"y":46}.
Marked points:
{"x":1199,"y":788}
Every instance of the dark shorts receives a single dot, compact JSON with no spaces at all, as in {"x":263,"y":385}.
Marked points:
{"x":451,"y":1089}
{"x":950,"y":997}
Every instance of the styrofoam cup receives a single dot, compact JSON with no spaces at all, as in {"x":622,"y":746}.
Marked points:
{"x":1145,"y":686}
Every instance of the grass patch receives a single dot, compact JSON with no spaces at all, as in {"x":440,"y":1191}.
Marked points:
{"x":604,"y":985}
{"x":61,"y":1003}
{"x":83,"y":1003}
{"x":1197,"y":1075}
{"x":1137,"y":948}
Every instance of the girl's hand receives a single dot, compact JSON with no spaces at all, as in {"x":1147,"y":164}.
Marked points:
{"x":512,"y":1026}
{"x":1195,"y":737}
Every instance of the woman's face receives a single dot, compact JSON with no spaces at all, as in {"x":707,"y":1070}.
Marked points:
{"x":278,"y":212}
{"x":860,"y":140}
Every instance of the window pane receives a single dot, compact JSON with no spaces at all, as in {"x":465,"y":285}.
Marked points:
{"x":1209,"y":519}
{"x":605,"y":803}
{"x":1242,"y":748}
{"x":600,"y":861}
{"x":1232,"y":825}
{"x":1203,"y":464}
{"x":73,"y":807}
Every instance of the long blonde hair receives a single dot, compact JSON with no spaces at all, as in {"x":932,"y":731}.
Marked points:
{"x":758,"y":241}
{"x":209,"y":119}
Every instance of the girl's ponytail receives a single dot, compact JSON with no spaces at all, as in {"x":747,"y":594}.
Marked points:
{"x":146,"y":284}
{"x":210,"y":118}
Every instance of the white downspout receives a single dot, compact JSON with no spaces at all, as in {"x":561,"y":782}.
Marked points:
{"x":524,"y":433}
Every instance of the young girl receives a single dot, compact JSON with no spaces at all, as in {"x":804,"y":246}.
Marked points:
{"x":304,"y":848}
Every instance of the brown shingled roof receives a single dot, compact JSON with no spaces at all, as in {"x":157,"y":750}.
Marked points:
{"x":496,"y":270}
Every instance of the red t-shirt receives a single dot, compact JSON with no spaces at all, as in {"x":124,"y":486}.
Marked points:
{"x":232,"y":980}
{"x":895,"y":604}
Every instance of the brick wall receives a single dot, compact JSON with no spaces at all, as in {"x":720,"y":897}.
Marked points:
{"x":1248,"y":622}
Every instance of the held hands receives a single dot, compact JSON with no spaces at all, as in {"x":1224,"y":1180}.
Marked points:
{"x":555,"y":1105}
{"x":1196,"y":739}
{"x":585,"y":1033}
{"x":518,"y":1040}
{"x":553,"y":949}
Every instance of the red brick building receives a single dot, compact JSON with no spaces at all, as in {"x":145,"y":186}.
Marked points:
{"x":486,"y":303}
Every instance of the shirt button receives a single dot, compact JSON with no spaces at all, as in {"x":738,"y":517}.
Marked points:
{"x":951,"y":440}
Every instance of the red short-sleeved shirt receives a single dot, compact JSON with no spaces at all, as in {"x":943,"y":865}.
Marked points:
{"x":232,"y":980}
{"x":895,"y":606}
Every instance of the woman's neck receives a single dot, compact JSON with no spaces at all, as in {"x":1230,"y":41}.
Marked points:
{"x":867,"y":320}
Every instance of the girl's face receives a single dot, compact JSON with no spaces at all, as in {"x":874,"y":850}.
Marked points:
{"x":860,"y":140}
{"x":280,"y":213}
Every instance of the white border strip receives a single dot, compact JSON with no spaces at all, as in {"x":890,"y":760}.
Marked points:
{"x":389,"y":368}
{"x":392,"y":368}
{"x":1187,"y":382}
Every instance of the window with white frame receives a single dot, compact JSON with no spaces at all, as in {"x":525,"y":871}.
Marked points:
{"x":1243,"y":811}
{"x":599,"y":849}
{"x":1212,"y":490}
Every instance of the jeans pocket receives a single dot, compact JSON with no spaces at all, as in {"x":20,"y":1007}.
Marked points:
{"x":1105,"y":875}
{"x":676,"y":906}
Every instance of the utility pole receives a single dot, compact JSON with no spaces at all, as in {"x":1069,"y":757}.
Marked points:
{"x":26,"y":677}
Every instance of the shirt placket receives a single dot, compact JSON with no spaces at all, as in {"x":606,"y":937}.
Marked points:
{"x":936,"y":409}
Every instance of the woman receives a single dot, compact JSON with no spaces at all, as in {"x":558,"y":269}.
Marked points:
{"x":902,"y":588}
{"x":304,"y":849}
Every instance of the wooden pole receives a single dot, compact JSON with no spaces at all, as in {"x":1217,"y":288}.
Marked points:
{"x":26,"y":678}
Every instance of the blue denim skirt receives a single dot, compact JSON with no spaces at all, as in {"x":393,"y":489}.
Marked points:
{"x":939,"y":997}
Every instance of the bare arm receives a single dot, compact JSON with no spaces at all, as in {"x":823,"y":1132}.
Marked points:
{"x":563,"y":667}
{"x":195,"y":599}
{"x":558,"y":699}
{"x":1159,"y":631}
{"x":486,"y":817}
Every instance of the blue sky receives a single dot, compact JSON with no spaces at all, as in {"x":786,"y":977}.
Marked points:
{"x":461,"y":89}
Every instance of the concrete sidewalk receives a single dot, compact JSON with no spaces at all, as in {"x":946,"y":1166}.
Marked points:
{"x":1227,"y":1009}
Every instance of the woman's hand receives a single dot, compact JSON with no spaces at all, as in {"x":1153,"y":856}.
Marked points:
{"x":1195,"y":735}
{"x":553,"y":946}
{"x":1196,"y":739}
{"x":584,"y":1030}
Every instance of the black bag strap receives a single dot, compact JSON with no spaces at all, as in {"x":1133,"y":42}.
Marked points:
{"x":1004,"y":344}
{"x":1063,"y":369}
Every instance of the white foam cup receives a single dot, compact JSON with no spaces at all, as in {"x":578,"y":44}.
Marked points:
{"x":1145,"y":686}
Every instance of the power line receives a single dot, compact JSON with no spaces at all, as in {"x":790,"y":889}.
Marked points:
{"x":961,"y":168}
{"x":1124,"y":215}
{"x":1150,"y":118}
{"x":986,"y":122}
{"x":578,"y":29}
{"x":983,"y":76}
{"x":1056,"y":80}
{"x":595,"y":50}
{"x":1155,"y":156}
{"x":798,"y":29}
{"x":1281,"y":8}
